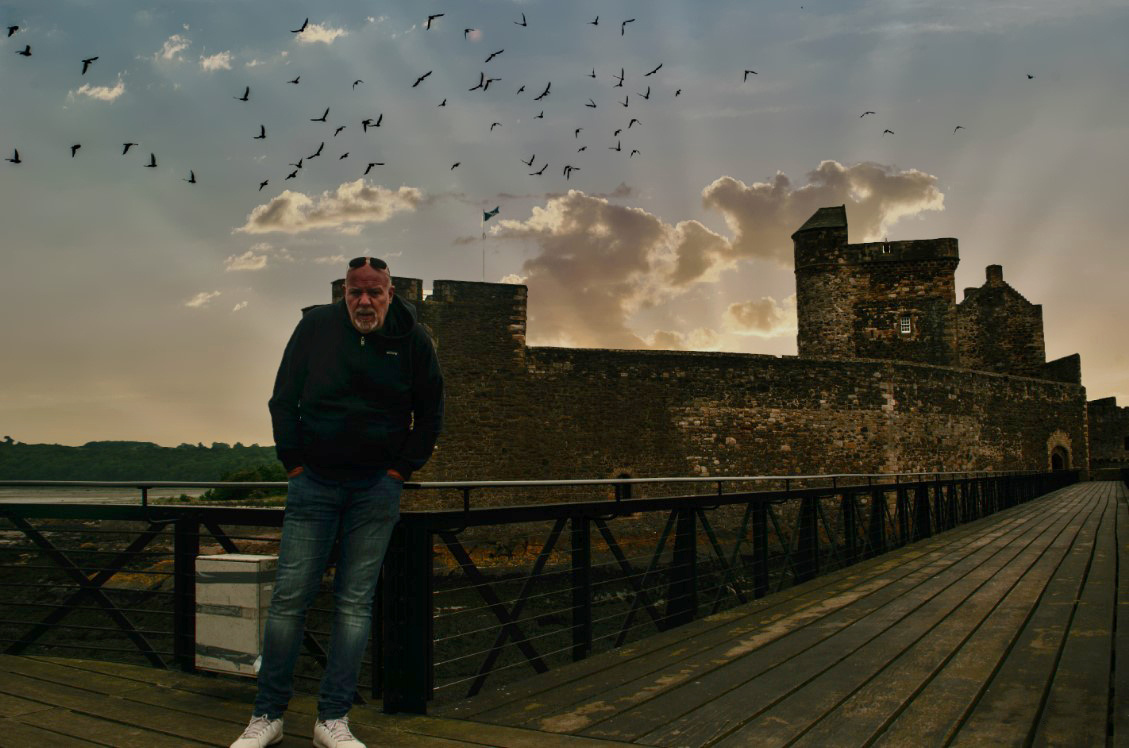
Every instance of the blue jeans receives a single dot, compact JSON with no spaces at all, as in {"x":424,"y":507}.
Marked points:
{"x":366,"y":512}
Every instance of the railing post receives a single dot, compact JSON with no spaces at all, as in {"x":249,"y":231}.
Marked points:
{"x":848,"y":505}
{"x":186,"y":547}
{"x":581,"y":588}
{"x":682,"y":589}
{"x":921,"y":525}
{"x":902,"y":509}
{"x":760,"y":547}
{"x":807,"y":550}
{"x":406,"y":583}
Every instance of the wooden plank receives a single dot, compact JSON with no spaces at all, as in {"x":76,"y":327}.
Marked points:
{"x":932,"y":714}
{"x":1010,"y":704}
{"x":962,"y":604}
{"x":107,"y":732}
{"x":54,"y":672}
{"x":859,"y":718}
{"x":499,"y":736}
{"x":720,"y":700}
{"x":23,"y":734}
{"x":1078,"y":703}
{"x":629,"y":683}
{"x":523,"y":692}
{"x":13,"y":706}
{"x":1121,"y":637}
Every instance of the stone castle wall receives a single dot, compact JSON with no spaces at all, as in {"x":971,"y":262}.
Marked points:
{"x":1000,"y":330}
{"x":1109,"y":433}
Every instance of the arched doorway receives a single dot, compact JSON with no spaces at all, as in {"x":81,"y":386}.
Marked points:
{"x":1060,"y":458}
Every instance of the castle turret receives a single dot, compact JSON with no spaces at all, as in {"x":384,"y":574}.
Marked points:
{"x":894,"y":300}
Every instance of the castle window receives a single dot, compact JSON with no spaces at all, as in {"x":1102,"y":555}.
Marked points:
{"x":905,"y":325}
{"x":1127,"y":443}
{"x":885,"y":248}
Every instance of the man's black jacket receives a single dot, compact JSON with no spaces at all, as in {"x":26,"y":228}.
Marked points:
{"x":343,"y":402}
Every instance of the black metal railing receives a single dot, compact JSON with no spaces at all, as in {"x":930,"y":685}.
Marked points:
{"x":479,"y":593}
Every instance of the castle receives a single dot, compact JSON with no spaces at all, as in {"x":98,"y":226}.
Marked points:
{"x":892,"y":375}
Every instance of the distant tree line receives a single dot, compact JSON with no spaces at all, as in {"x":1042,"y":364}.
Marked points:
{"x":127,"y":460}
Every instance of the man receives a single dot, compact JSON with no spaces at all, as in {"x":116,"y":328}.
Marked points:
{"x":357,"y":406}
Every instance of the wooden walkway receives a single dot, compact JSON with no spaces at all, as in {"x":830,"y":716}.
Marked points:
{"x":1001,"y":632}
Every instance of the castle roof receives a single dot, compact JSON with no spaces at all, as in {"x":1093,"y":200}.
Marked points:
{"x":834,"y":217}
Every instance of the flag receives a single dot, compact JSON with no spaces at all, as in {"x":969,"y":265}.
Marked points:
{"x":488,"y":214}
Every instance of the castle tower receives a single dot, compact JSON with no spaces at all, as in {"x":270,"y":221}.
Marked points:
{"x":892,"y":300}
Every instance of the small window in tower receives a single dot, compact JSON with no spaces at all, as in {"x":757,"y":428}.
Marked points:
{"x":905,"y":326}
{"x":885,"y":248}
{"x":1127,"y":443}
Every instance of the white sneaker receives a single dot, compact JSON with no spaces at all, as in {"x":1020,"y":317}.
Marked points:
{"x":335,"y":733}
{"x":261,"y":732}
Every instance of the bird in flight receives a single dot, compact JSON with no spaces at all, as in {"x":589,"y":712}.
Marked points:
{"x":595,"y":21}
{"x":633,"y":152}
{"x":593,"y":73}
{"x":618,"y":146}
{"x":620,"y":76}
{"x":569,"y":169}
{"x":299,"y":164}
{"x":481,"y":81}
{"x":523,"y":23}
{"x":358,"y":80}
{"x":12,"y":30}
{"x":15,"y":159}
{"x":263,"y":184}
{"x":494,"y":124}
{"x":191,"y":177}
{"x":582,"y":148}
{"x":291,"y":175}
{"x":300,"y":30}
{"x":431,"y":18}
{"x":541,"y":115}
{"x":625,"y":100}
{"x":443,"y":103}
{"x":467,"y":31}
{"x":262,"y":133}
{"x":530,"y":161}
{"x":87,"y":63}
{"x":591,"y":104}
{"x":245,"y":96}
{"x":678,"y":92}
{"x":339,"y":129}
{"x":295,"y":81}
{"x":646,"y":96}
{"x":494,"y":54}
{"x":454,"y":165}
{"x":532,"y":173}
{"x":317,"y":152}
{"x":617,"y":132}
{"x":754,"y":72}
{"x":520,"y":89}
{"x":632,"y":122}
{"x":322,"y":117}
{"x":653,"y":71}
{"x":576,"y":132}
{"x":26,"y":51}
{"x":623,"y":25}
{"x":958,"y":127}
{"x":152,"y":162}
{"x":74,"y":149}
{"x":1029,"y":76}
{"x":887,"y":131}
{"x":372,"y":164}
{"x":126,"y":147}
{"x":367,"y":123}
{"x":420,"y":79}
{"x":544,"y":93}
{"x":865,"y":113}
{"x":343,"y":155}
{"x":486,"y":85}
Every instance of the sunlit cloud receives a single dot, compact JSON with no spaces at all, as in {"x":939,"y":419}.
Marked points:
{"x":351,"y":204}
{"x":201,"y":299}
{"x":329,"y":260}
{"x":513,"y":278}
{"x":219,"y":61}
{"x":249,"y":260}
{"x":101,"y":93}
{"x":240,"y":305}
{"x":171,"y":49}
{"x":316,"y":32}
{"x":600,"y":263}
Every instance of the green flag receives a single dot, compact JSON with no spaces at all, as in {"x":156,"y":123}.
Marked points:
{"x":488,"y":214}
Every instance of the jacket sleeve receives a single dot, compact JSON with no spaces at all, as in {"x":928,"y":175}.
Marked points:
{"x":285,"y":402}
{"x":427,"y":407}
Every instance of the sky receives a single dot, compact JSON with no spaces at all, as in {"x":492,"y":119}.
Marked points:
{"x":139,"y":304}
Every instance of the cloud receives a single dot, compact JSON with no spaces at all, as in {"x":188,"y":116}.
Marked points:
{"x":701,"y":339}
{"x":329,"y":260}
{"x":101,"y":93}
{"x":763,"y":215}
{"x":600,"y":263}
{"x":765,"y":317}
{"x":513,"y":278}
{"x":201,"y":299}
{"x":246,"y":261}
{"x":219,"y":61}
{"x":316,"y":32}
{"x":351,"y":204}
{"x":240,"y":305}
{"x":173,"y":46}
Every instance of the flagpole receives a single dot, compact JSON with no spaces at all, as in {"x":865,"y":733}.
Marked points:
{"x":482,"y":241}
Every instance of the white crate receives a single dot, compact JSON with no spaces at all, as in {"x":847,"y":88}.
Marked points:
{"x":233,"y":592}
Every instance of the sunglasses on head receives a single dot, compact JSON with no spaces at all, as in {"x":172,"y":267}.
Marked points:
{"x":373,"y":262}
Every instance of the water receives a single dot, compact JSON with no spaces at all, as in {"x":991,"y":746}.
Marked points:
{"x":91,"y":495}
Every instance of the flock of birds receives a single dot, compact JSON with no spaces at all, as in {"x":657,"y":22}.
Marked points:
{"x":484,"y":82}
